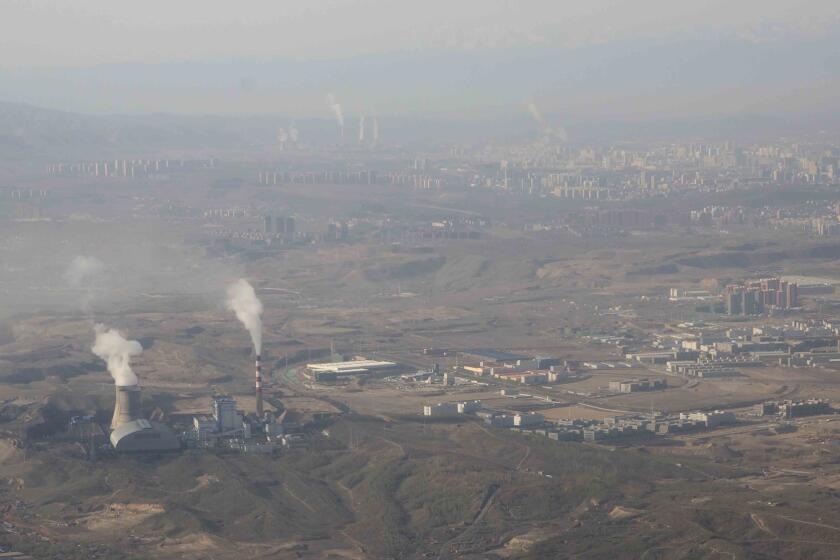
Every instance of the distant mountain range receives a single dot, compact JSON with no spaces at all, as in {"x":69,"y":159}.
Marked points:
{"x":639,"y":79}
{"x":30,"y":133}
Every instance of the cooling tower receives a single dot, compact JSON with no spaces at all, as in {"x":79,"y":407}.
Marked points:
{"x":127,"y":406}
{"x":258,"y":388}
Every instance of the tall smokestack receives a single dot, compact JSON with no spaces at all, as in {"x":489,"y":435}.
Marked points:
{"x":362,"y":129}
{"x":243,"y":301}
{"x":258,"y":387}
{"x":127,"y":405}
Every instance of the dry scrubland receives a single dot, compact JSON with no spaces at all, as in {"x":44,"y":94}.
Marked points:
{"x":384,"y":484}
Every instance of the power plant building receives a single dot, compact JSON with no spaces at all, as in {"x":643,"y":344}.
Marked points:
{"x":225,"y":414}
{"x":143,"y":435}
{"x":354,"y":367}
{"x":126,"y":406}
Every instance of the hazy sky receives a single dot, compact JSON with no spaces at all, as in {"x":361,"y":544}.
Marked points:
{"x":431,"y":57}
{"x":89,"y":32}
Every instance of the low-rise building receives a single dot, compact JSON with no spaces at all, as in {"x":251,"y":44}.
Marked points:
{"x":710,"y":419}
{"x":810,"y":407}
{"x":766,"y":408}
{"x":523,"y":420}
{"x":501,"y":421}
{"x":469,"y":406}
{"x":353,"y":367}
{"x":440,"y":410}
{"x":636,"y":385}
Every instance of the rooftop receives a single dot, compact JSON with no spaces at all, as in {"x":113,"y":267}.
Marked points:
{"x":354,"y":366}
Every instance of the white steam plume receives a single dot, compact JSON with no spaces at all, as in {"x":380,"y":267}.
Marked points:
{"x":82,"y":274}
{"x":549,"y":132}
{"x":535,"y":112}
{"x":243,"y":301}
{"x":82,"y":270}
{"x":112,"y":347}
{"x":335,"y":108}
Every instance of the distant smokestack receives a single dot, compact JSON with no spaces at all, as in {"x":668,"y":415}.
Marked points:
{"x":375,"y":130}
{"x":335,"y":108}
{"x":362,"y":129}
{"x":258,"y":387}
{"x":548,"y":132}
{"x":127,"y":405}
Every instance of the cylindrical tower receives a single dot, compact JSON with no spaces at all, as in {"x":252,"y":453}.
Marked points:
{"x":258,"y":387}
{"x":127,"y":405}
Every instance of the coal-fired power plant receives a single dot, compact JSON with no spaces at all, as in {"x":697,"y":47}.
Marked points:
{"x":127,"y":405}
{"x":258,"y":387}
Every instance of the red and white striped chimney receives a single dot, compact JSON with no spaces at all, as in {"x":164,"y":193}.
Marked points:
{"x":258,"y":387}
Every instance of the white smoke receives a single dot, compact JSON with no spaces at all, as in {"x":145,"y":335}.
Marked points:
{"x":243,"y":301}
{"x":82,"y":270}
{"x":535,"y":112}
{"x":335,"y":109}
{"x":83,"y":274}
{"x":111,"y":346}
{"x":549,"y":132}
{"x":375,"y":129}
{"x":362,"y":129}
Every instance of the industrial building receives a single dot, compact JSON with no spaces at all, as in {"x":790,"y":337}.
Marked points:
{"x":126,"y":405}
{"x":709,"y":419}
{"x":469,"y":406}
{"x":636,"y":385}
{"x":440,"y":410}
{"x":500,"y":420}
{"x":332,"y":370}
{"x":130,"y":432}
{"x":528,"y":419}
{"x":810,"y":407}
{"x":716,"y":368}
{"x":793,"y":409}
{"x":143,"y":435}
{"x":768,"y":408}
{"x":227,"y":426}
{"x":451,"y":409}
{"x":523,"y":377}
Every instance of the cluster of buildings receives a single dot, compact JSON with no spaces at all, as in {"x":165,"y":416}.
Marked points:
{"x":441,"y":230}
{"x":523,"y":370}
{"x":126,"y":167}
{"x":715,"y":352}
{"x":228,"y":427}
{"x":753,"y":297}
{"x":283,"y":226}
{"x":611,"y":428}
{"x":708,"y":368}
{"x":640,"y":424}
{"x":794,"y":409}
{"x":224,"y":427}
